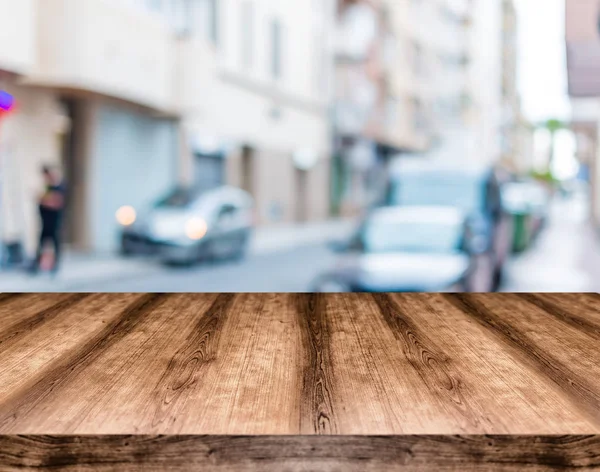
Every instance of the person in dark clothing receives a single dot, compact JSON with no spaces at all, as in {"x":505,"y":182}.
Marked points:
{"x":51,"y":207}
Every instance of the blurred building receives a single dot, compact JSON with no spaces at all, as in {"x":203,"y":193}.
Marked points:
{"x":583,"y":62}
{"x":482,"y":139}
{"x":266,"y":102}
{"x":363,"y":45}
{"x":516,"y":132}
{"x":448,"y":58}
{"x":133,"y":97}
{"x":401,"y":87}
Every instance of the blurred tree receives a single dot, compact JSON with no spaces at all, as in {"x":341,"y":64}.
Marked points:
{"x":553,"y":126}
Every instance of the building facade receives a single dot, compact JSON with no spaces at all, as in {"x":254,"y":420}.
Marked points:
{"x":399,"y":88}
{"x":583,"y":63}
{"x":132,"y":98}
{"x":267,"y":104}
{"x":511,"y":103}
{"x":485,"y":78}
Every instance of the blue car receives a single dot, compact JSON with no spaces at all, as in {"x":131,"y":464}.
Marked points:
{"x":476,"y":191}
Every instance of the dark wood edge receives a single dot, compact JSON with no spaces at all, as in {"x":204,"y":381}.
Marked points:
{"x":218,"y":453}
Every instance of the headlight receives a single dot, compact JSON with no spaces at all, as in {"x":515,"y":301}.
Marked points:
{"x":196,"y":228}
{"x":126,"y":215}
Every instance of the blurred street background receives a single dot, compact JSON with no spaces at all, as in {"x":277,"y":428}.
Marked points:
{"x":300,"y":145}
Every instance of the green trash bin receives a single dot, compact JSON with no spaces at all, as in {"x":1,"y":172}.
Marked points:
{"x":516,"y":202}
{"x":522,"y":233}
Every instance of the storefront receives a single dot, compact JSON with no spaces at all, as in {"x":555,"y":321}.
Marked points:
{"x":30,"y":137}
{"x":209,"y":162}
{"x":133,"y":162}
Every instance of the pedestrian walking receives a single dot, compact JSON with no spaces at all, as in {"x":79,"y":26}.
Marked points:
{"x":51,"y":208}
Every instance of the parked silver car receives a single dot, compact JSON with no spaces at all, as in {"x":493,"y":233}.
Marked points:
{"x":407,"y":249}
{"x":188,"y":226}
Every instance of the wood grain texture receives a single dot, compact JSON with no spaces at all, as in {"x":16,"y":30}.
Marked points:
{"x":299,"y":453}
{"x":299,"y":381}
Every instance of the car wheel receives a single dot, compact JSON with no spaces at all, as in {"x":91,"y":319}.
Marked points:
{"x":241,"y":247}
{"x":126,"y":249}
{"x":201,"y":254}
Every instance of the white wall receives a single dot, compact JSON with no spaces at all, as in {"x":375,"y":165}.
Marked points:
{"x":486,"y":79}
{"x":304,"y":26}
{"x":233,"y":100}
{"x":120,"y":50}
{"x":106,"y":47}
{"x":17,"y":35}
{"x":236,"y":115}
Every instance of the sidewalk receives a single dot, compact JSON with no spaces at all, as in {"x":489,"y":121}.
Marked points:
{"x":566,"y":258}
{"x":77,"y":269}
{"x":83,"y":270}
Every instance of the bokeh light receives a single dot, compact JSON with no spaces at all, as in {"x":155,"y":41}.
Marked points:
{"x":7,"y":101}
{"x":126,"y":215}
{"x":196,"y":228}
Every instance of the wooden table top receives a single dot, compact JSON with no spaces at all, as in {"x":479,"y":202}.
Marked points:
{"x":300,"y":364}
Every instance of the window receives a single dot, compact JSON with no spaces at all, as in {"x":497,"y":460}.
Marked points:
{"x":358,"y":31}
{"x":214,"y":21}
{"x":182,"y":18}
{"x":463,"y":191}
{"x":247,"y":37}
{"x":227,"y":213}
{"x":390,"y":236}
{"x":321,"y":65}
{"x":178,"y":198}
{"x":418,"y":57}
{"x":202,"y":19}
{"x":321,"y":46}
{"x":420,"y":115}
{"x":155,"y":5}
{"x":276,"y":49}
{"x":175,"y":13}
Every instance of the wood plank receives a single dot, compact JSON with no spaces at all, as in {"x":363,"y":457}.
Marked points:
{"x":299,"y":381}
{"x":43,"y":337}
{"x":477,"y":373}
{"x":366,"y":367}
{"x":20,"y":314}
{"x":26,"y":400}
{"x":579,"y":311}
{"x":564,"y":354}
{"x":122,"y":377}
{"x":251,"y":385}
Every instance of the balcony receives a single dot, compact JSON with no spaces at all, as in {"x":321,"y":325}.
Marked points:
{"x":17,"y":35}
{"x":108,"y":49}
{"x":583,"y":48}
{"x":357,"y":31}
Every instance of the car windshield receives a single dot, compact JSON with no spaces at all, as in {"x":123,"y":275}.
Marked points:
{"x":465,"y":192}
{"x":402,"y":236}
{"x":178,"y":198}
